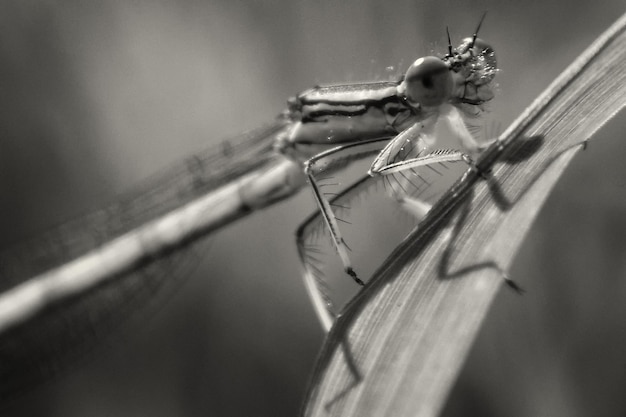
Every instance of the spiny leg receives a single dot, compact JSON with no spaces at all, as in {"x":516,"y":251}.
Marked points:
{"x":414,"y":205}
{"x":437,"y":156}
{"x":333,"y":227}
{"x":329,"y":160}
{"x":313,"y":273}
{"x":419,"y":207}
{"x":411,"y":148}
{"x":421,"y":137}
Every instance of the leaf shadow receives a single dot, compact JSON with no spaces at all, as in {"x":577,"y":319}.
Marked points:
{"x":514,"y":153}
{"x":518,"y":152}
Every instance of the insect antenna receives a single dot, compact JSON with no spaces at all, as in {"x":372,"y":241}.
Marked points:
{"x":477,"y":29}
{"x":449,"y":42}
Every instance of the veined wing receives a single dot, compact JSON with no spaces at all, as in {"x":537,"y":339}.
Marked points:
{"x":66,"y":331}
{"x":197,"y":175}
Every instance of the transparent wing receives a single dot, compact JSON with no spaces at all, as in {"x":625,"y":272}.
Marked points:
{"x":67,"y":331}
{"x":375,"y":215}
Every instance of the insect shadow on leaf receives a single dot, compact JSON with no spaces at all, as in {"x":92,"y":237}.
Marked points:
{"x":515,"y":153}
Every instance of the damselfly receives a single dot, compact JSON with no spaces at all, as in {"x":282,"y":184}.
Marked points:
{"x":324,"y":129}
{"x":396,"y":121}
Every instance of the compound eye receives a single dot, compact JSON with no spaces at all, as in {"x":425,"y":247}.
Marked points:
{"x":480,"y":46}
{"x":482,"y":50}
{"x":428,"y":82}
{"x":481,"y":61}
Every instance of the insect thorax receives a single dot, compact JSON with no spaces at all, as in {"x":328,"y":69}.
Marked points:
{"x":329,"y":116}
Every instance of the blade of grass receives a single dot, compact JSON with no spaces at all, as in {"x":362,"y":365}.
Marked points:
{"x":400,"y":344}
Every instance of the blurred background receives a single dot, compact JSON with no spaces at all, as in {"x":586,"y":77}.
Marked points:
{"x":97,"y":95}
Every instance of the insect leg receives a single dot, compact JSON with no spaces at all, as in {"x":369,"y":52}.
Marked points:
{"x":330,"y":160}
{"x":313,"y":275}
{"x":441,"y":155}
{"x":414,"y":205}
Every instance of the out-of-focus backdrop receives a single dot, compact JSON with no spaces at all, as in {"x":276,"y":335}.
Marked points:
{"x":95,"y":96}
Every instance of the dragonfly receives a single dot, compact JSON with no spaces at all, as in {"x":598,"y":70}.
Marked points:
{"x":323,"y":130}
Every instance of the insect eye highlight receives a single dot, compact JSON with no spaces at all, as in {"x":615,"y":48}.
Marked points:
{"x":428,"y":82}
